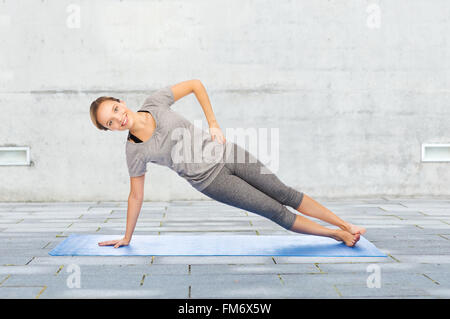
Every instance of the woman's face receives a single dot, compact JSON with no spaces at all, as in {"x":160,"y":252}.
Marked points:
{"x":112,"y":115}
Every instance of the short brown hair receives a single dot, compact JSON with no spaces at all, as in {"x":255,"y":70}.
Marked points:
{"x":94,"y":109}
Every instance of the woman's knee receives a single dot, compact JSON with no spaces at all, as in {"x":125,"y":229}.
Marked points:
{"x":288,"y":196}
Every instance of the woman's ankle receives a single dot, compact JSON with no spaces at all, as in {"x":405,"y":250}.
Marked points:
{"x":345,"y":226}
{"x":335,"y":234}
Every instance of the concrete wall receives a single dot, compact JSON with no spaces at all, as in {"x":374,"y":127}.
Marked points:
{"x":354,"y":87}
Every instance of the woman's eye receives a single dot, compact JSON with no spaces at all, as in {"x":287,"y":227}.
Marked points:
{"x":115,"y":109}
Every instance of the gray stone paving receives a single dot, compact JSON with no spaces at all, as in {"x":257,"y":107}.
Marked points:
{"x":414,"y":232}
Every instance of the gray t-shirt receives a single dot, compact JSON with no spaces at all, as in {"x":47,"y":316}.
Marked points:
{"x":177,"y":144}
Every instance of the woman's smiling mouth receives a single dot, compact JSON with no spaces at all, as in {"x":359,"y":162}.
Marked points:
{"x":125,"y":121}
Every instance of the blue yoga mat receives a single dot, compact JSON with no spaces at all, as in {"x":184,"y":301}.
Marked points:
{"x":220,"y":245}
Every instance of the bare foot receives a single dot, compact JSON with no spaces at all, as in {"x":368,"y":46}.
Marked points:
{"x":353,"y":229}
{"x":348,"y":238}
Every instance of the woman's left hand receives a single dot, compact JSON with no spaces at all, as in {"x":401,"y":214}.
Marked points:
{"x":216,"y":133}
{"x":116,"y":243}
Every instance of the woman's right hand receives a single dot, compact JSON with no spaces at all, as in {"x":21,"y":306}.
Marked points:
{"x":116,"y":242}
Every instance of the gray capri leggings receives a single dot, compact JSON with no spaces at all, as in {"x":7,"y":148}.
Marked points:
{"x":241,"y":184}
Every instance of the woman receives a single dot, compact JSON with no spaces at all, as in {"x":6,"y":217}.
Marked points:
{"x":157,"y":134}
